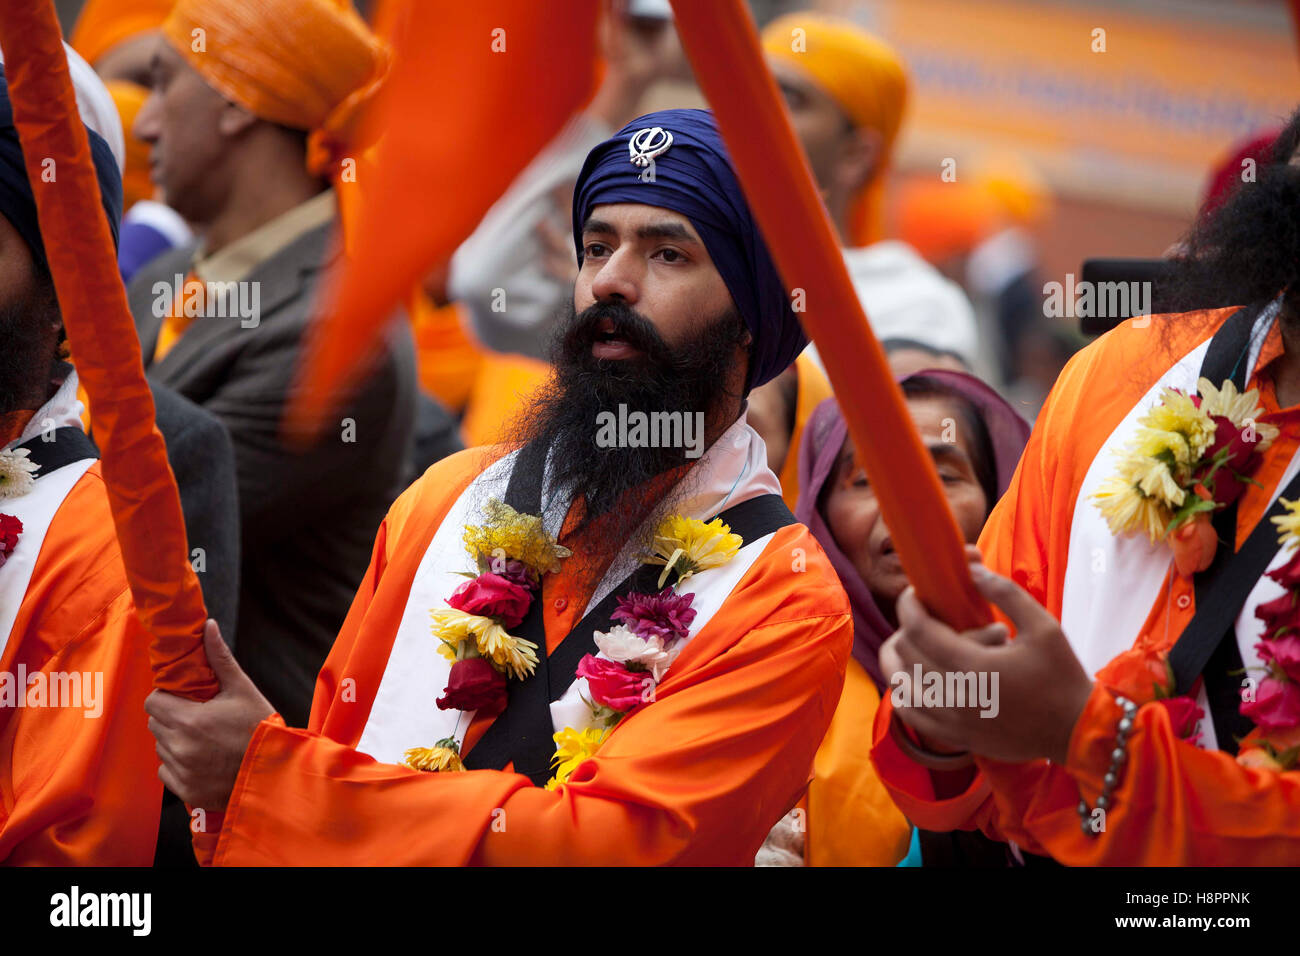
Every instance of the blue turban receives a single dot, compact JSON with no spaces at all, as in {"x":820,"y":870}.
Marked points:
{"x":18,"y":203}
{"x":693,"y":176}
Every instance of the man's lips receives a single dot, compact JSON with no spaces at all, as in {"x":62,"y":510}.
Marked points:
{"x":610,"y":346}
{"x":613,"y":349}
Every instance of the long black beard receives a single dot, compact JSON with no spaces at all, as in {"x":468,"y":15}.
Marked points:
{"x":1245,"y":252}
{"x":26,"y":356}
{"x":564,"y":416}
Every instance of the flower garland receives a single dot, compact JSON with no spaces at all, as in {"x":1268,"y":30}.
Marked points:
{"x":1275,"y":708}
{"x":1191,"y":455}
{"x":1143,"y":673}
{"x":635,"y":654}
{"x":512,"y":551}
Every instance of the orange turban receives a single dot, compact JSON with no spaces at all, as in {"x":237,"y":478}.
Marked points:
{"x":306,"y":64}
{"x":862,"y":74}
{"x":103,"y":24}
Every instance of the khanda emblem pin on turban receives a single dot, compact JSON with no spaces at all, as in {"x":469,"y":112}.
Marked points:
{"x":645,"y":145}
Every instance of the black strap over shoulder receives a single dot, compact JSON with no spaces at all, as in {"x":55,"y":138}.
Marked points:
{"x":1208,"y":645}
{"x":523,"y":734}
{"x":54,"y":449}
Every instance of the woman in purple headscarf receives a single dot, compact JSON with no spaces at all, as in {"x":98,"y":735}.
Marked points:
{"x":976,"y":439}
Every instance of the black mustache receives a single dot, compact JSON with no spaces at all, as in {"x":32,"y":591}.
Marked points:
{"x":629,"y":325}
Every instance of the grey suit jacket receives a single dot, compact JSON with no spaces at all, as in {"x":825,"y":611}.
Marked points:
{"x":203,"y":461}
{"x":308,"y":516}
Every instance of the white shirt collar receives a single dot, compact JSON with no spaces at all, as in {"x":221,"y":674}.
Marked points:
{"x":63,"y":409}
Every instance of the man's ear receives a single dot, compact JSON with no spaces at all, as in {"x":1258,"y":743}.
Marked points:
{"x":234,"y":119}
{"x":860,"y":155}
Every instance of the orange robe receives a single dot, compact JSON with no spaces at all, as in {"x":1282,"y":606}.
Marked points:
{"x":852,"y":821}
{"x":699,"y":776}
{"x":1176,"y":804}
{"x":79,"y":790}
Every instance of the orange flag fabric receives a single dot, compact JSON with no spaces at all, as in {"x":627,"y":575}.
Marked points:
{"x":475,"y":91}
{"x":723,"y":46}
{"x":142,"y":491}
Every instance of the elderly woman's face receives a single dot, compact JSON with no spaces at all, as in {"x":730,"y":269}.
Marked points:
{"x":854,"y":516}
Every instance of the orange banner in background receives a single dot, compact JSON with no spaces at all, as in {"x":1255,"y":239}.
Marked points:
{"x":1127,"y":103}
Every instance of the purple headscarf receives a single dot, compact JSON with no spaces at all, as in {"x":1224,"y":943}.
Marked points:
{"x":823,"y":438}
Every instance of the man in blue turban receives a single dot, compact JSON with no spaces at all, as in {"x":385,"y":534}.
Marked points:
{"x":678,"y":309}
{"x":647,"y":651}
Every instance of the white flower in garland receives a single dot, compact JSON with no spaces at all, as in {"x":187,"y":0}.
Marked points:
{"x":621,"y":645}
{"x":16,"y":473}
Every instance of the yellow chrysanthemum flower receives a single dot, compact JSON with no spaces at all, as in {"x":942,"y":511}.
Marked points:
{"x":688,"y":545}
{"x":1240,"y":408}
{"x":572,"y":747}
{"x":1150,"y":442}
{"x":518,"y":536}
{"x":514,"y":655}
{"x":1154,"y":479}
{"x":1176,"y":412}
{"x":442,"y":758}
{"x":1288,"y":524}
{"x":511,"y":655}
{"x":1127,"y":510}
{"x":453,"y":627}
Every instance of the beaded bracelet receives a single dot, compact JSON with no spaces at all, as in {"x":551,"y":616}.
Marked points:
{"x":1117,"y":757}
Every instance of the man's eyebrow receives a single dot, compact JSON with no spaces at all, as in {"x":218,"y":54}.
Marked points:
{"x":658,"y":230}
{"x":665,"y":230}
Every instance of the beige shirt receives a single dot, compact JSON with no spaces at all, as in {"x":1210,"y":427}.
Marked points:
{"x":245,"y":254}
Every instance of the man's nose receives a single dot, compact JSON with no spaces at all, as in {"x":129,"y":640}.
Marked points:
{"x":146,"y":125}
{"x":619,"y":279}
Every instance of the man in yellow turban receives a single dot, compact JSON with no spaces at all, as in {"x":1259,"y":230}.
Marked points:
{"x":846,"y":91}
{"x":250,"y":104}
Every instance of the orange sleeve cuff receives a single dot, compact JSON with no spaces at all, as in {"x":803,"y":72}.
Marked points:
{"x":206,"y":845}
{"x":910,"y":786}
{"x":1093,"y":741}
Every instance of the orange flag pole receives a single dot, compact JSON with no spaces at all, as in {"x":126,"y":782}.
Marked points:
{"x":141,"y":489}
{"x":723,"y":46}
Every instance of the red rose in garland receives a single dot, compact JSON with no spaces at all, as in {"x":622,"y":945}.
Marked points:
{"x":1276,"y":705}
{"x":1184,"y":717}
{"x":1289,"y":574}
{"x":1280,"y":615}
{"x":10,"y":529}
{"x":491,"y":595}
{"x":1284,"y":652}
{"x":474,"y":684}
{"x":613,"y":685}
